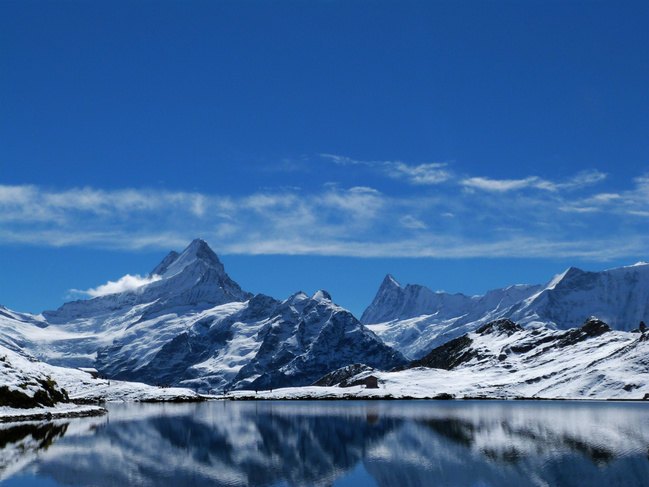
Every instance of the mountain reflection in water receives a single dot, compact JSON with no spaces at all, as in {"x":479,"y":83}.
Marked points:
{"x":385,"y":443}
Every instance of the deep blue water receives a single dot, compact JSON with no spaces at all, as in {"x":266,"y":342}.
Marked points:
{"x":339,"y":443}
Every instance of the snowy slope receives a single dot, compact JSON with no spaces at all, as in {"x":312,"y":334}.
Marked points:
{"x":504,"y":360}
{"x":50,"y":385}
{"x":266,"y":343}
{"x":33,"y":390}
{"x":414,"y":319}
{"x":25,"y":385}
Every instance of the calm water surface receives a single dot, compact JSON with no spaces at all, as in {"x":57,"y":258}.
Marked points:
{"x":351,"y":443}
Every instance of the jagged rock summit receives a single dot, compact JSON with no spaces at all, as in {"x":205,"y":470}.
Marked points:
{"x":396,"y":302}
{"x":193,"y":278}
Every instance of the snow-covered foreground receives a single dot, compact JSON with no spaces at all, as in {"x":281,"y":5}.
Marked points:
{"x":42,"y":390}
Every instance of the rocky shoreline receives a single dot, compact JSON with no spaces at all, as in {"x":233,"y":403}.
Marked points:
{"x":10,"y":415}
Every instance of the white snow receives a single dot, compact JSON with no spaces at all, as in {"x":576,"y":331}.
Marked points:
{"x":596,"y":368}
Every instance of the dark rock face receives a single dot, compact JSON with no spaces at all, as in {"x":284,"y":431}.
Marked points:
{"x":48,"y":395}
{"x":505,"y":326}
{"x":327,"y":338}
{"x":591,"y":328}
{"x":341,"y":376}
{"x":447,"y":356}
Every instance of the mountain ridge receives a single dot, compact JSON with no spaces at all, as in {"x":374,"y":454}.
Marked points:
{"x":414,"y":319}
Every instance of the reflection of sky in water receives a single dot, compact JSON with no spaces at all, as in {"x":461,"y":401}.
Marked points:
{"x":383,"y":443}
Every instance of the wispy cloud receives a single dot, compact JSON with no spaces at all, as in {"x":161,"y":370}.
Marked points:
{"x":409,"y":221}
{"x":125,"y":283}
{"x":422,"y":174}
{"x":568,"y":219}
{"x":31,"y":203}
{"x":633,"y":201}
{"x":580,"y":180}
{"x":489,"y":184}
{"x":436,"y":173}
{"x":430,"y":173}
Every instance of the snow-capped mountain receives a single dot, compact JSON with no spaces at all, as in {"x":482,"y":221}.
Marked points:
{"x":194,"y":278}
{"x":195,"y":326}
{"x":414,"y":319}
{"x":143,"y":319}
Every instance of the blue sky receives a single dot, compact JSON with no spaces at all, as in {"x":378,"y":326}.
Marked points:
{"x":460,"y":145}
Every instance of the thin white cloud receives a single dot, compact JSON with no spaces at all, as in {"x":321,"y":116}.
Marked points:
{"x":436,"y":173}
{"x":580,"y":180}
{"x":30,"y":203}
{"x":583,"y":179}
{"x":347,"y":161}
{"x":430,"y":173}
{"x":631,"y":202}
{"x":409,"y":221}
{"x":500,"y":185}
{"x":606,"y":197}
{"x":421,"y":174}
{"x":125,"y":283}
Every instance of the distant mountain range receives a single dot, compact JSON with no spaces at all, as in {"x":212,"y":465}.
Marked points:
{"x":414,"y":319}
{"x":193,"y":326}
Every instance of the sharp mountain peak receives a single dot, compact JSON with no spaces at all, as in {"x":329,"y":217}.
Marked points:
{"x":197,"y":251}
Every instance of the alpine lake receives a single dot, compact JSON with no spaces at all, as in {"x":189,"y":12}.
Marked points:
{"x":335,"y":443}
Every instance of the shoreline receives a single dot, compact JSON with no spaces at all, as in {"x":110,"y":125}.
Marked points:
{"x":244,"y":396}
{"x":96,"y":409}
{"x":11,"y":415}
